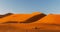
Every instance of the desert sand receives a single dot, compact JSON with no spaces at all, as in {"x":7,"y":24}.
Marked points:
{"x":35,"y":22}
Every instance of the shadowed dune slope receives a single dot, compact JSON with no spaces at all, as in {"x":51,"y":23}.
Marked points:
{"x":34,"y":18}
{"x":8,"y":14}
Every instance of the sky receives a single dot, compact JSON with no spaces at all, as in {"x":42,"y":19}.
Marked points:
{"x":29,"y":6}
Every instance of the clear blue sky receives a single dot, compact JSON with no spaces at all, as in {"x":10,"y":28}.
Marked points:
{"x":29,"y":6}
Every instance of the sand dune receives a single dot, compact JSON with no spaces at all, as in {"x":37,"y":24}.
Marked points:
{"x":51,"y":19}
{"x":17,"y":17}
{"x":35,"y":22}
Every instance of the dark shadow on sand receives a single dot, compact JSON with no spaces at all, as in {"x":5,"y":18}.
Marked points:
{"x":8,"y":14}
{"x":34,"y":18}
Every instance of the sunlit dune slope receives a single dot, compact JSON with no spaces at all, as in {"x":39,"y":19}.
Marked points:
{"x":51,"y":19}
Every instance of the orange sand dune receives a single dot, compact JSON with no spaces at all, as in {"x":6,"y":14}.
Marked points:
{"x":50,"y":22}
{"x":18,"y":17}
{"x":51,"y":19}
